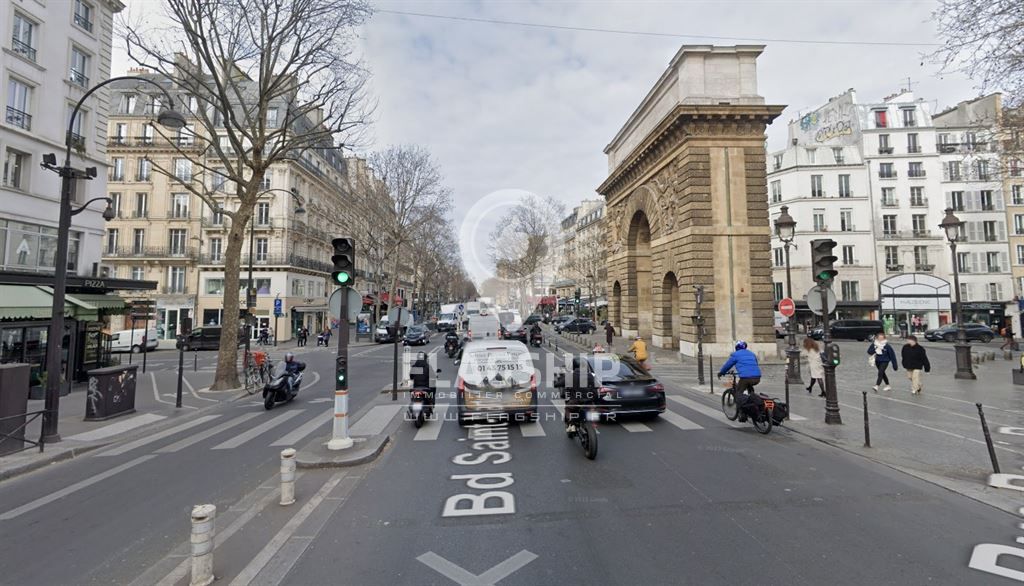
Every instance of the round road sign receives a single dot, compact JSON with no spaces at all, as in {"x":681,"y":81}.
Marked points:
{"x":786,"y":307}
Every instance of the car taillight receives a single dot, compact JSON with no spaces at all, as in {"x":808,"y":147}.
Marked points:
{"x":461,"y":386}
{"x":533,"y":383}
{"x":656,"y":388}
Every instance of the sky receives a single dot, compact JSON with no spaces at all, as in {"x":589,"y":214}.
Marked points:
{"x":509,"y":109}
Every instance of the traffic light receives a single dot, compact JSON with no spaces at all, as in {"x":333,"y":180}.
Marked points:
{"x":823,"y":261}
{"x":344,"y":260}
{"x":341,"y":373}
{"x":832,"y":354}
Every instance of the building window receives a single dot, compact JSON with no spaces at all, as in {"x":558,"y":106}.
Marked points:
{"x":176,"y":279}
{"x":837,"y":154}
{"x":956,"y":201}
{"x":970,"y":140}
{"x":147,"y":133}
{"x":116,"y":169}
{"x":217,"y":217}
{"x":915,"y":169}
{"x":816,"y":189}
{"x":179,"y":205}
{"x":963,"y":262}
{"x":138,"y":273}
{"x":920,"y":226}
{"x":23,"y":41}
{"x":1017,"y":194}
{"x":889,"y":197}
{"x":1018,"y":224}
{"x":844,"y":186}
{"x":913,"y":146}
{"x":884,"y":147}
{"x":992,"y":262}
{"x":819,"y":220}
{"x":892,"y":256}
{"x":917,"y":198}
{"x":263,"y":214}
{"x":115,"y":204}
{"x":965,"y":291}
{"x":265,"y":182}
{"x":15,"y":170}
{"x":778,"y":290}
{"x":120,"y":133}
{"x":776,"y":189}
{"x":812,"y":155}
{"x":777,"y":162}
{"x":183,"y":170}
{"x":921,"y":259}
{"x":299,"y":287}
{"x":780,"y":257}
{"x":981,"y":170}
{"x":889,"y":225}
{"x":909,"y":117}
{"x":846,"y":220}
{"x":79,"y":74}
{"x":1020,"y":254}
{"x":127,"y":104}
{"x":848,"y":258}
{"x":187,"y":135}
{"x":144,"y":169}
{"x":139,"y":241}
{"x":881,"y":119}
{"x":111,"y":240}
{"x":262,"y":248}
{"x":850,"y":290}
{"x":271,"y":117}
{"x":216,"y":249}
{"x":77,"y":126}
{"x":991,"y":231}
{"x":218,"y":180}
{"x":995,"y":292}
{"x":1015,"y":168}
{"x":953,"y":171}
{"x":19,"y":97}
{"x":177,"y":241}
{"x":886,"y":171}
{"x":141,"y":205}
{"x":83,"y":15}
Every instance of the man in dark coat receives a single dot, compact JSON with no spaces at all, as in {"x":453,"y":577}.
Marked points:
{"x":609,"y":331}
{"x":915,"y":359}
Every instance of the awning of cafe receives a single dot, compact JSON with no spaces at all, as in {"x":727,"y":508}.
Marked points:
{"x":36,"y":302}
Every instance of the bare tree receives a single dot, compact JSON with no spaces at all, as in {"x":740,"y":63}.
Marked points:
{"x":233,"y":62}
{"x":526,"y":240}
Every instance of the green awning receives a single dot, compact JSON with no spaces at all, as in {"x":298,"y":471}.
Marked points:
{"x":36,"y":302}
{"x":96,"y":301}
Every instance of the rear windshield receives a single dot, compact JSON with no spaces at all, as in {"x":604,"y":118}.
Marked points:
{"x":448,"y":316}
{"x":496,"y":368}
{"x":612,"y":369}
{"x":506,"y":317}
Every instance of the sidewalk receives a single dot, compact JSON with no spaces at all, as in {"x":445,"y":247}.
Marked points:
{"x":936,"y":436}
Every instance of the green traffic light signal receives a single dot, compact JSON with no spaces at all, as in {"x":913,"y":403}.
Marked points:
{"x":344,"y":259}
{"x":343,"y":278}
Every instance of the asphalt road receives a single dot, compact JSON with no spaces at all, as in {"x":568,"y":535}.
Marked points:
{"x":685,"y":499}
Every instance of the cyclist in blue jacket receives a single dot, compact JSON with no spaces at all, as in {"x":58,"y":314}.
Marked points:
{"x":748,"y":373}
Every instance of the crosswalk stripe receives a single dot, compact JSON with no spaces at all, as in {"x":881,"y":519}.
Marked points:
{"x":158,"y":436}
{"x":305,"y":429}
{"x":635,"y":427}
{"x":680,"y":421}
{"x":117,"y":428}
{"x":531,"y":429}
{"x":374,"y":422}
{"x":259,"y":429}
{"x":560,"y":405}
{"x":704,"y":410}
{"x":195,"y":439}
{"x":431,"y":430}
{"x":795,"y":417}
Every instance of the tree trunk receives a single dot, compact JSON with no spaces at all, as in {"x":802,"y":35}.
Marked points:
{"x":227,"y":355}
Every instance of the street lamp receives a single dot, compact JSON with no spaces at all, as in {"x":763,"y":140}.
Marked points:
{"x":698,"y":322}
{"x":953,"y":226}
{"x":785,"y":229}
{"x":168,"y":118}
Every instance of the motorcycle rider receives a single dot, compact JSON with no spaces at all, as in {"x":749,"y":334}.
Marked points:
{"x":535,"y":331}
{"x":748,"y":373}
{"x":451,"y":341}
{"x":420,"y":375}
{"x":579,"y":391}
{"x":291,"y":368}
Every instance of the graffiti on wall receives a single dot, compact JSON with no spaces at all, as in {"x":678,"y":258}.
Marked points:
{"x":834,"y":124}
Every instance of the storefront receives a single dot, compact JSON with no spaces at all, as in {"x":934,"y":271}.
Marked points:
{"x":915,"y":302}
{"x":985,"y":312}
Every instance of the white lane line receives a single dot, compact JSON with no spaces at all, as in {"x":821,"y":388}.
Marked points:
{"x":532,"y":429}
{"x":195,"y":439}
{"x":680,"y":421}
{"x":259,"y":429}
{"x":704,"y":410}
{"x":795,"y":417}
{"x":375,"y":420}
{"x":116,"y":428}
{"x":156,"y":391}
{"x":316,"y":379}
{"x":192,"y":390}
{"x":431,"y":430}
{"x":250,"y":571}
{"x":53,"y":496}
{"x":560,"y":405}
{"x":157,"y":436}
{"x":305,"y":429}
{"x":632,"y":426}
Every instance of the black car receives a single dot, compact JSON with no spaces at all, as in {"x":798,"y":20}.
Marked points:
{"x":975,"y":333}
{"x":580,"y":325}
{"x":205,"y":338}
{"x":855,"y":329}
{"x":532,"y":319}
{"x":618,"y":385}
{"x":416,"y":336}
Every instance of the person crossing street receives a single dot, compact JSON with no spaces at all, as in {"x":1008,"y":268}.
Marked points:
{"x":915,"y":359}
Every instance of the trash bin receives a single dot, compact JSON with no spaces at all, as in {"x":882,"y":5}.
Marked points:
{"x":111,"y":392}
{"x":14,"y":382}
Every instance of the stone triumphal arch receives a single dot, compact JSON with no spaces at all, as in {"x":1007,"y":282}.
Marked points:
{"x":687,"y":205}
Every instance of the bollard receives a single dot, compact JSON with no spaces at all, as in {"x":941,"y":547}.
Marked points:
{"x":867,"y":427}
{"x":1007,"y":355}
{"x":202,"y":544}
{"x":990,"y":356}
{"x":711,"y":375}
{"x":988,"y":439}
{"x":287,"y":476}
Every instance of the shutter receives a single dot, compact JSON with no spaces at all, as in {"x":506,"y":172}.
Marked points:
{"x":997,"y":200}
{"x":949,"y":199}
{"x":1004,"y":261}
{"x":945,"y":172}
{"x":999,"y":292}
{"x":974,"y":198}
{"x":1001,"y":230}
{"x":972,"y":231}
{"x":974,"y":262}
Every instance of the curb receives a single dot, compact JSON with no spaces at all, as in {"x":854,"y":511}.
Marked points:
{"x":316,"y":455}
{"x":49,"y":458}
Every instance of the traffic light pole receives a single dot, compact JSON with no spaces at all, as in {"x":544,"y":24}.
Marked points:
{"x":339,"y":431}
{"x":831,"y":393}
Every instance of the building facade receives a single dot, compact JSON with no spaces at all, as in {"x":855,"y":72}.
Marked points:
{"x":1012,"y":138}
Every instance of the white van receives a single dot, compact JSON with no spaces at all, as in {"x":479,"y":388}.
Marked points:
{"x":134,"y":341}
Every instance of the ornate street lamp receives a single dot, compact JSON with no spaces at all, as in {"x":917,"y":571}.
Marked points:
{"x":785,"y":229}
{"x":953,"y":226}
{"x":698,"y":324}
{"x":169,"y":118}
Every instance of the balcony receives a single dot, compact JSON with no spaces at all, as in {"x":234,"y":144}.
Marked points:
{"x":269,"y":223}
{"x":994,"y":269}
{"x":115,"y":176}
{"x":277,"y":259}
{"x":991,"y":238}
{"x":914,"y":149}
{"x":917,"y":174}
{"x":78,"y":78}
{"x":77,"y":141}
{"x":894,"y":268}
{"x":922,"y":233}
{"x":140,"y":214}
{"x":178,"y":214}
{"x":919,"y":202}
{"x":151,"y":252}
{"x":174,"y":290}
{"x":890,"y":203}
{"x":924,"y":268}
{"x":889,"y":175}
{"x":211,"y":224}
{"x":115,"y":141}
{"x":23,"y":49}
{"x":83,"y":21}
{"x":885,"y":150}
{"x":18,"y":118}
{"x":817,"y":193}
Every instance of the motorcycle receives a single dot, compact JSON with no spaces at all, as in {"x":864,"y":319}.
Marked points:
{"x":419,"y":409}
{"x":536,"y":339}
{"x":283,"y":386}
{"x":451,"y":347}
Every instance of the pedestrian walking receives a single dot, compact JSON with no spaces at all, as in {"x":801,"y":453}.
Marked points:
{"x":881,"y":355}
{"x":811,"y":351}
{"x":1007,"y":334}
{"x":915,"y":359}
{"x":609,"y":332}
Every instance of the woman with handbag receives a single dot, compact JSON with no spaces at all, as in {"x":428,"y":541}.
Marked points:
{"x":816,"y":368}
{"x":881,"y":355}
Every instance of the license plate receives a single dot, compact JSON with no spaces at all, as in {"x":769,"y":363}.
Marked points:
{"x":632,"y":392}
{"x":769,"y":404}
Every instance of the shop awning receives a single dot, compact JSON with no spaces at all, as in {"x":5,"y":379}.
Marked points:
{"x":97,"y":301}
{"x":25,"y":302}
{"x":310,"y":309}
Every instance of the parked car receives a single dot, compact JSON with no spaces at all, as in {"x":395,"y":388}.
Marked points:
{"x":382,"y":334}
{"x":622,"y":385}
{"x":856,"y":329}
{"x":205,"y":338}
{"x":532,"y":319}
{"x":975,"y":333}
{"x":416,"y":336}
{"x":134,"y":341}
{"x":580,"y":325}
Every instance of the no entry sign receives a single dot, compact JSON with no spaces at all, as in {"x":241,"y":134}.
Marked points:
{"x":786,"y":307}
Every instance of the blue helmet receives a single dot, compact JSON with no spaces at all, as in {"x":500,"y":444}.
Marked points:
{"x":741,"y":345}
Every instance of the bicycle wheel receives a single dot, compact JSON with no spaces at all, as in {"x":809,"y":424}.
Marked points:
{"x":587,"y":434}
{"x":729,"y":405}
{"x":763,"y":422}
{"x":252,"y":381}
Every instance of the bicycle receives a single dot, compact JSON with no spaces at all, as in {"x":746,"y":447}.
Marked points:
{"x":761,"y":420}
{"x":257,"y":371}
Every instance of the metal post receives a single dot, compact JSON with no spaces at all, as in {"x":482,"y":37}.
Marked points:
{"x":275,"y":330}
{"x":831,"y":393}
{"x":202,"y":544}
{"x":792,"y":353}
{"x":988,"y":439}
{"x":962,"y":348}
{"x":195,"y":360}
{"x":339,"y":430}
{"x":287,"y":476}
{"x":397,"y":326}
{"x":867,"y":427}
{"x":132,"y":340}
{"x":181,"y":375}
{"x":145,"y":343}
{"x":711,"y":375}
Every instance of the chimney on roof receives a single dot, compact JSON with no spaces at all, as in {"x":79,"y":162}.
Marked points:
{"x":138,"y":71}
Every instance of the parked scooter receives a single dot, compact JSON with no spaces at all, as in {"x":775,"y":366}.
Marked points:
{"x":283,"y":385}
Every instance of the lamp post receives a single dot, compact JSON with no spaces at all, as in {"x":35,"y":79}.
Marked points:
{"x":698,"y":322}
{"x":785,"y":229}
{"x":952,"y":226}
{"x":55,"y":336}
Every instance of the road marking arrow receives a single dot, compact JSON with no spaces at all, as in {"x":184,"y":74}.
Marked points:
{"x":491,"y":577}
